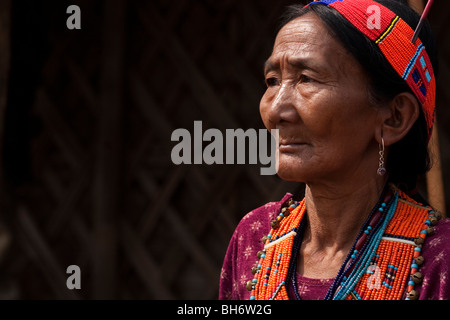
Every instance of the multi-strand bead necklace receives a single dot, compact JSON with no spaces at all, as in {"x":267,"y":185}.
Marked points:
{"x":382,"y":264}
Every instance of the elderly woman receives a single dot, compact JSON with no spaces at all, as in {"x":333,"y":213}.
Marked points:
{"x":353,"y":99}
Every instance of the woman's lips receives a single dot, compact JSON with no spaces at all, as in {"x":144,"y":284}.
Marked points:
{"x":290,"y":147}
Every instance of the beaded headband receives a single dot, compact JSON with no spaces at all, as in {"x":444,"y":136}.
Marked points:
{"x":394,"y":37}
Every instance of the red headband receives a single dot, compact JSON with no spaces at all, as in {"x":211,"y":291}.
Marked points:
{"x":393,"y":36}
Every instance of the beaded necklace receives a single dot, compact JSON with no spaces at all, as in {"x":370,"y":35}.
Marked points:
{"x":382,"y":264}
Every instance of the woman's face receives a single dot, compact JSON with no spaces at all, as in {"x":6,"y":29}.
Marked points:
{"x":317,"y":96}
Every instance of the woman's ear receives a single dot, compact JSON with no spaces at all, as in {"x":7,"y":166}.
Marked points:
{"x":397,"y":118}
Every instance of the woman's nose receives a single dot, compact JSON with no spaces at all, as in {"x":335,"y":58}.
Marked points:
{"x":283,"y":107}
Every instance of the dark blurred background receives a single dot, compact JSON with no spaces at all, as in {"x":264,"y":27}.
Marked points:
{"x":86,"y":118}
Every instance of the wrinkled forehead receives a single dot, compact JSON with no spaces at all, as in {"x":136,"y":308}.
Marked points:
{"x":307,"y":37}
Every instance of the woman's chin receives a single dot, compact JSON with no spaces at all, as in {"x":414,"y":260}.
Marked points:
{"x":289,"y":173}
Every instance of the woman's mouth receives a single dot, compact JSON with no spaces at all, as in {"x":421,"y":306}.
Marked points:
{"x":290,"y":146}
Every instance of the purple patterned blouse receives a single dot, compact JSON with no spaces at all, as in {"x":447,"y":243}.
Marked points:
{"x":245,"y":243}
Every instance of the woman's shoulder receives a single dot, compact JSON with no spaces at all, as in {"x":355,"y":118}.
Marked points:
{"x":442,"y":229}
{"x":242,"y":250}
{"x":438,"y":242}
{"x":436,"y":266}
{"x":259,"y":218}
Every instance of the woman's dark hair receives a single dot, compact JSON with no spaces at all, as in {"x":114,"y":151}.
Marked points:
{"x":408,"y":158}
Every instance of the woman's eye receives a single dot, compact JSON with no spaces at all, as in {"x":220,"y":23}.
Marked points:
{"x":270,"y":82}
{"x":305,"y":79}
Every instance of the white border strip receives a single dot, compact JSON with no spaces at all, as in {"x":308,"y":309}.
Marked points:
{"x":399,"y":240}
{"x":287,"y":235}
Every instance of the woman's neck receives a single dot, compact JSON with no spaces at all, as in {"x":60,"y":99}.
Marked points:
{"x":335,"y":217}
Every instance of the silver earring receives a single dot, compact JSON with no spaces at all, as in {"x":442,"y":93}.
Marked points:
{"x":381,"y":169}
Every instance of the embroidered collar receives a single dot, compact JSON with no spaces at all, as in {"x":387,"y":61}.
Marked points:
{"x":382,"y":264}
